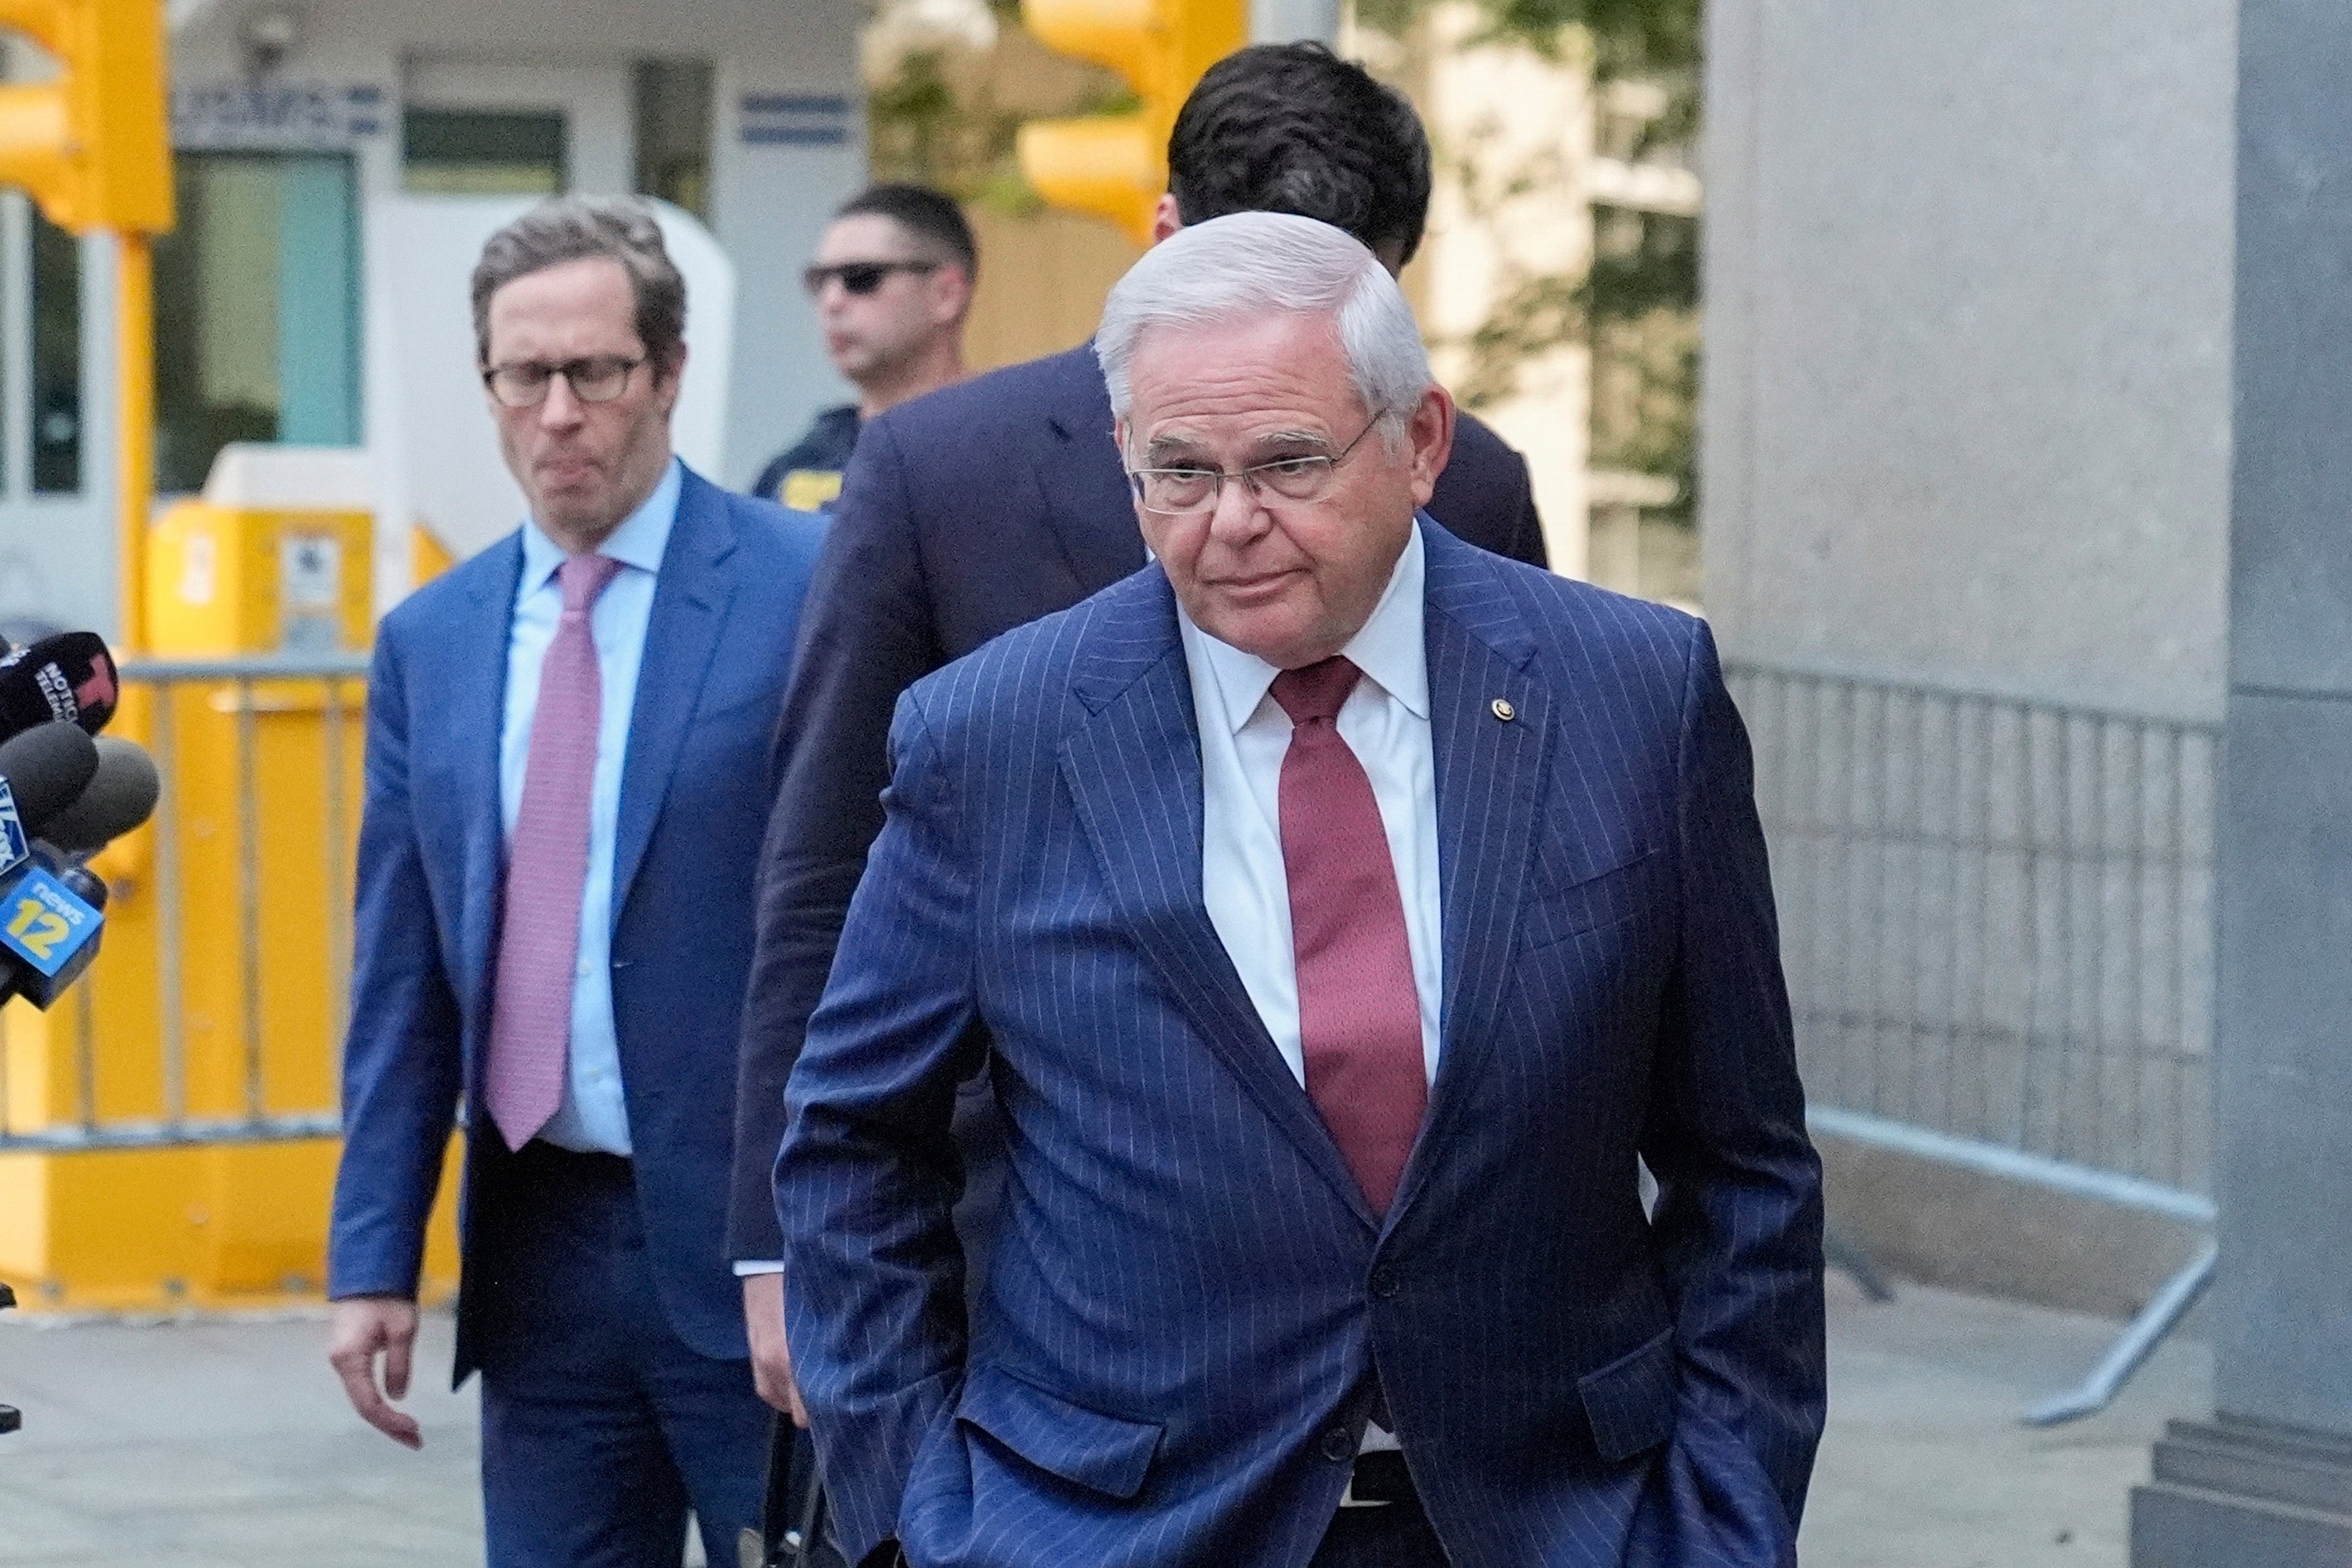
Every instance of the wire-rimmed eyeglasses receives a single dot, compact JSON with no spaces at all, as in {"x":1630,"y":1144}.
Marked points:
{"x":1180,"y":492}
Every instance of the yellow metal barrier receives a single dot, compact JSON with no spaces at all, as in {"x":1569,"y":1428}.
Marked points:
{"x":167,"y":1130}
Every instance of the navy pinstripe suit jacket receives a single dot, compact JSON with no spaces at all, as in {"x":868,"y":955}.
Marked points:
{"x":1188,"y":1296}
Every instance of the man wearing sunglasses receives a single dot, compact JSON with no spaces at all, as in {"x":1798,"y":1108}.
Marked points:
{"x":983,"y":506}
{"x":892,"y":284}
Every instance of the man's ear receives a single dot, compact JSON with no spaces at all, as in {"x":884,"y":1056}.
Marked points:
{"x":1429,"y":441}
{"x":952,"y":292}
{"x":669,"y":375}
{"x":1165,"y":219}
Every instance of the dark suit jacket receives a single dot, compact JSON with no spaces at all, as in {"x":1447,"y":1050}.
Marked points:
{"x":432,"y":863}
{"x":963,"y":514}
{"x":1187,"y":1292}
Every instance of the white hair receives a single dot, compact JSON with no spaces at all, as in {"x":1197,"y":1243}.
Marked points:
{"x":1248,"y":264}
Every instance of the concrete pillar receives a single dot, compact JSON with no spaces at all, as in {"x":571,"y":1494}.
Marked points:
{"x":2267,"y":1483}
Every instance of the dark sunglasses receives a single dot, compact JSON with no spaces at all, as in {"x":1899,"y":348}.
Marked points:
{"x":862,"y":277}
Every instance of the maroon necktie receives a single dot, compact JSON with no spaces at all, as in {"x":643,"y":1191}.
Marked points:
{"x":1358,"y":1011}
{"x":547,"y":865}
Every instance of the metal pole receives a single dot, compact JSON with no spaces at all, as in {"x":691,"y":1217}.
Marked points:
{"x":168,"y":913}
{"x":249,"y":894}
{"x":134,"y":348}
{"x":85,"y":1054}
{"x":339,"y":897}
{"x":2155,"y":1321}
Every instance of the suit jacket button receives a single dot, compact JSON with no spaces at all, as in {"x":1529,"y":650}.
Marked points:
{"x":1338,"y":1445}
{"x":1385,"y":1283}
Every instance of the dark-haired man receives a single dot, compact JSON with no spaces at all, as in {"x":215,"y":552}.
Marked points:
{"x":982,"y":507}
{"x":892,"y":283}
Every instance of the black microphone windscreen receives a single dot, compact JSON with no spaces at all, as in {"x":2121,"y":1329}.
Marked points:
{"x":69,"y":676}
{"x":48,"y":767}
{"x":121,"y":795}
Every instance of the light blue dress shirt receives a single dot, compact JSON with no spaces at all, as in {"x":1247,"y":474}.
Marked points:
{"x":593,"y":1118}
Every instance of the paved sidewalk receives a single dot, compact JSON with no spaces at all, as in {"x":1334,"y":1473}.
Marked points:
{"x":227,"y":1445}
{"x":1925,"y":1465}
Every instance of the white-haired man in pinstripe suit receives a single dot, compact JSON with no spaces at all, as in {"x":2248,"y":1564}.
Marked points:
{"x":1340,"y":912}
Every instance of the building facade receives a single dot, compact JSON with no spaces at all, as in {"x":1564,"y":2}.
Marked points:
{"x":309,"y":139}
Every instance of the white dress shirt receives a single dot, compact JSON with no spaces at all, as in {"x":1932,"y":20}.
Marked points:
{"x":1243,"y":735}
{"x":592,"y":1118}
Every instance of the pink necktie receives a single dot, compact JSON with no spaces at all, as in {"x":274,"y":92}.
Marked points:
{"x":1358,"y":1011}
{"x":547,"y":864}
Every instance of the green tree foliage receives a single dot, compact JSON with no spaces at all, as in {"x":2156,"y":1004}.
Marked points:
{"x":1629,"y":37}
{"x":1635,"y":308}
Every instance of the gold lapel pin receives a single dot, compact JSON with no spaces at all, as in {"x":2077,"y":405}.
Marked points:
{"x":1501,"y":708}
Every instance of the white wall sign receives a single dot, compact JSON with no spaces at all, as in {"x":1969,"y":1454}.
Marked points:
{"x":309,"y":571}
{"x":277,"y":117}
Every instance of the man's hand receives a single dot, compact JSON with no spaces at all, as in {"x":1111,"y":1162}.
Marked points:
{"x":365,"y":1326}
{"x":771,"y":1362}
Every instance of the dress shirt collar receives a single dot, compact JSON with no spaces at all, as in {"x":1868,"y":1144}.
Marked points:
{"x":1390,"y":648}
{"x":639,"y":542}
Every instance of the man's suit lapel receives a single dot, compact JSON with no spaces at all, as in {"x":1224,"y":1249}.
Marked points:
{"x":1134,"y":770}
{"x":690,"y":599}
{"x":473,"y":652}
{"x":1491,"y":788}
{"x":1080,"y":482}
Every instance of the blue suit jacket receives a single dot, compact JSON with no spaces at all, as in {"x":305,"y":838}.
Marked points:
{"x":1187,"y":1292}
{"x":432,"y":861}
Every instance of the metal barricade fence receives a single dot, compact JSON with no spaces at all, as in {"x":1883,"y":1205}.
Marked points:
{"x":1996,"y":917}
{"x":1997,"y":921}
{"x":285,"y":805}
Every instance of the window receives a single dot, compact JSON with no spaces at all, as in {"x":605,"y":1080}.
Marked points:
{"x":257,"y":310}
{"x":673,"y":132}
{"x":468,"y":152}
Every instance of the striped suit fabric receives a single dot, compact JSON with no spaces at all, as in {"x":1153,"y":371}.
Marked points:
{"x":1189,"y":1299}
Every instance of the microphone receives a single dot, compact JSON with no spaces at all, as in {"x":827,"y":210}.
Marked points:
{"x":68,"y":677}
{"x":50,"y":911}
{"x":121,"y":795}
{"x":43,"y":771}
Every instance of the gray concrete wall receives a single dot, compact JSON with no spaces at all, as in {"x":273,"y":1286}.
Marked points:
{"x":1967,"y":290}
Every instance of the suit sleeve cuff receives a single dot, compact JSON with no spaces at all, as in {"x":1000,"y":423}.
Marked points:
{"x":744,"y":1270}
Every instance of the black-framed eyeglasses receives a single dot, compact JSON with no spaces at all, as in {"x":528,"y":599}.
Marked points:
{"x":1181,"y":491}
{"x":600,"y":377}
{"x":862,"y":277}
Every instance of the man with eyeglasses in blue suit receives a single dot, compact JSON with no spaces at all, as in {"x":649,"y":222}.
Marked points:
{"x":987,"y":505}
{"x":566,"y":762}
{"x":1343,"y":914}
